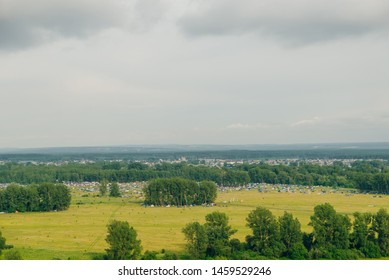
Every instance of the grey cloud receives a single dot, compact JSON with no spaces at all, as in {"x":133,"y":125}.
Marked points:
{"x":294,"y":22}
{"x":148,"y":13}
{"x":12,"y":35}
{"x":24,"y":24}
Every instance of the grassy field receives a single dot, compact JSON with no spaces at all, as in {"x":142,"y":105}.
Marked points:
{"x":79,"y":233}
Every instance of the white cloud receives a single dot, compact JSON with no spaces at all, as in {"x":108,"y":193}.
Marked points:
{"x":246,"y":126}
{"x":306,"y":122}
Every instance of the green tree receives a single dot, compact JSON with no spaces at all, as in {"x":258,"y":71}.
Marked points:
{"x":179,"y":191}
{"x":363,"y":236}
{"x":137,"y":165}
{"x":122,"y":240}
{"x":15,"y":198}
{"x":381,"y":227}
{"x":283,"y":178}
{"x":33,"y":199}
{"x":330,"y":229}
{"x":37,"y":197}
{"x":197,"y":240}
{"x":298,"y":252}
{"x":103,"y":188}
{"x":114,"y":191}
{"x":235,"y":177}
{"x":266,"y":233}
{"x":52,"y":196}
{"x":3,"y":203}
{"x":292,"y":237}
{"x":207,"y":192}
{"x":2,"y":242}
{"x":150,"y":255}
{"x":61,"y":196}
{"x":218,"y":233}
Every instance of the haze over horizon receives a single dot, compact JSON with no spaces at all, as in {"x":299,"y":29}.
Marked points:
{"x":152,"y":72}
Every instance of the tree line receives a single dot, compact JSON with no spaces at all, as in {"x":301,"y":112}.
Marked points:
{"x":154,"y":154}
{"x":179,"y":192}
{"x":36,"y":197}
{"x":371,"y":176}
{"x":334,"y":236}
{"x":282,"y":238}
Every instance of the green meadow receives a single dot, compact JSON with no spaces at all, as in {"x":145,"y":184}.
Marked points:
{"x":80,"y":231}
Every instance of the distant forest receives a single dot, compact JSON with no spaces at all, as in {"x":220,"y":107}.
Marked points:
{"x":370,"y":176}
{"x":373,"y":150}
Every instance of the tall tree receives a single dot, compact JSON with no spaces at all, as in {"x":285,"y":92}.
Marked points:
{"x":207,"y":192}
{"x":363,"y":236}
{"x":114,"y":191}
{"x":218,"y":232}
{"x":197,"y":240}
{"x":330,"y":229}
{"x":292,"y":237}
{"x":122,"y":240}
{"x":266,"y":233}
{"x":381,"y":227}
{"x":103,"y":188}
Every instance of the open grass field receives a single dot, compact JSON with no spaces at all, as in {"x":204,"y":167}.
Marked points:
{"x":79,"y":233}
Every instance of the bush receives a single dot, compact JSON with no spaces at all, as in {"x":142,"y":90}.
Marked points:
{"x":371,"y":250}
{"x":2,"y":243}
{"x":343,"y":254}
{"x":319,"y":254}
{"x":13,"y":255}
{"x":298,"y":252}
{"x":150,"y":255}
{"x":170,"y":256}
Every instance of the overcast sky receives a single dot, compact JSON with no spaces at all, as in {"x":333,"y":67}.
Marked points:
{"x":117,"y":72}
